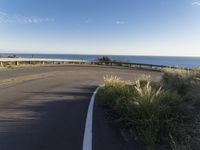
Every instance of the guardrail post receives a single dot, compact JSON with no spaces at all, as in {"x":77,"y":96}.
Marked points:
{"x":1,"y":64}
{"x":17,"y":63}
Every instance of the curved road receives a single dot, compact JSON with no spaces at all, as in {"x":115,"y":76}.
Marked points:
{"x":45,"y":108}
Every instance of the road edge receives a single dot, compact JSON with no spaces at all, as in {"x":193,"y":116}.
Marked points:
{"x":87,"y":139}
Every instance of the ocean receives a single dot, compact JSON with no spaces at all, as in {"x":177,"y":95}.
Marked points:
{"x":186,"y":62}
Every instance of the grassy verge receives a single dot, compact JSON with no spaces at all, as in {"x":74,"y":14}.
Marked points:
{"x":165,"y":115}
{"x":12,"y":65}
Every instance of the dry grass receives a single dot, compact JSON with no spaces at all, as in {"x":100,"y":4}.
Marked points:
{"x":165,"y":115}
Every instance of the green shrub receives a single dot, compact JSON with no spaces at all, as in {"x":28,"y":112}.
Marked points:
{"x":104,"y":59}
{"x":12,"y":56}
{"x":154,"y":111}
{"x":180,"y":80}
{"x":8,"y":65}
{"x":175,"y":83}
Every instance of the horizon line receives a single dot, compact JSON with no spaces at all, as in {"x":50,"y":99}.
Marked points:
{"x":43,"y":53}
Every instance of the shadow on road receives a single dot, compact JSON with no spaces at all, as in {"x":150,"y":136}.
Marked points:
{"x":46,"y":120}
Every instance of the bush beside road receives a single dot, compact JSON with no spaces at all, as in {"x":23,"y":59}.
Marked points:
{"x":164,"y":115}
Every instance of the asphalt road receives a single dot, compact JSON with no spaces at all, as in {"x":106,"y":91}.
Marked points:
{"x":45,"y":108}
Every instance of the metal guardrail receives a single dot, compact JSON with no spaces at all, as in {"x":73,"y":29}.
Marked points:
{"x":17,"y":61}
{"x":40,"y":60}
{"x":136,"y":65}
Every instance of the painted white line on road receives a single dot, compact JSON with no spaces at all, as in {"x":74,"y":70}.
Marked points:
{"x":87,"y":139}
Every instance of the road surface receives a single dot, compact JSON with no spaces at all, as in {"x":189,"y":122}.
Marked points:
{"x":45,"y":108}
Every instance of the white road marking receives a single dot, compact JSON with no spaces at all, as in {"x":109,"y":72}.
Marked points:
{"x":87,"y":139}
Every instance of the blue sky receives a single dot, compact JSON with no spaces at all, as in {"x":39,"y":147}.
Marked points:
{"x":124,"y":27}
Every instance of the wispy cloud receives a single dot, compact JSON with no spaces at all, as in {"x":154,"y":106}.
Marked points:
{"x":119,"y":22}
{"x":88,"y":21}
{"x":197,"y":3}
{"x":6,"y":18}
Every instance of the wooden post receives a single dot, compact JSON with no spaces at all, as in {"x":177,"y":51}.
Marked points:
{"x":1,"y":64}
{"x":17,"y":63}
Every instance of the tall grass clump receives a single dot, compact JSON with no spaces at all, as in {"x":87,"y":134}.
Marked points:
{"x":156,"y":114}
{"x":186,"y":84}
{"x":153,"y":111}
{"x":8,"y":65}
{"x":114,"y":88}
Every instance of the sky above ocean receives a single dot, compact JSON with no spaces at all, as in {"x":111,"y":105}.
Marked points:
{"x":122,"y":27}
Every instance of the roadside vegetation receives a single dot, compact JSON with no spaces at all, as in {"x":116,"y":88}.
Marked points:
{"x":10,"y":56}
{"x":9,"y":65}
{"x":12,"y":65}
{"x":164,"y":115}
{"x":104,"y":59}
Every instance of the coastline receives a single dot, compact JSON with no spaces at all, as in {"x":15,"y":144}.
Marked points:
{"x":188,"y":62}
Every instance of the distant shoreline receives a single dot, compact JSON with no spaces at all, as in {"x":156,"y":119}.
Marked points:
{"x":186,"y":62}
{"x":132,"y":55}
